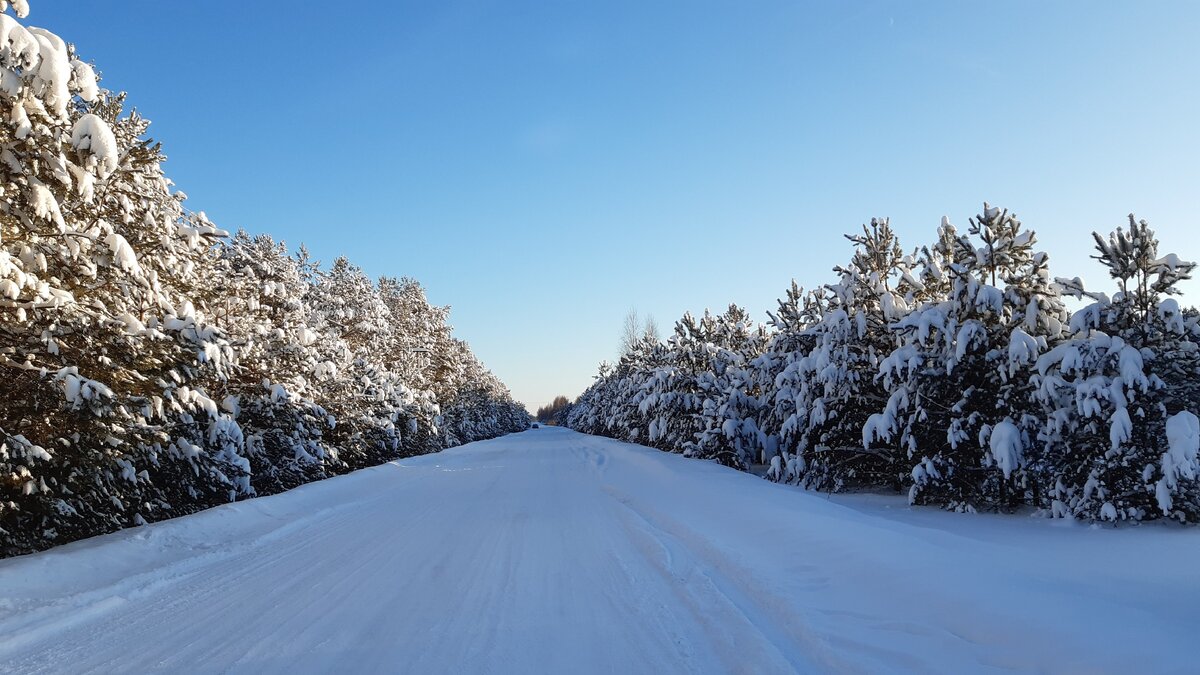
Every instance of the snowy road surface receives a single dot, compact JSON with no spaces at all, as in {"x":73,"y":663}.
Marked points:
{"x":553,"y":552}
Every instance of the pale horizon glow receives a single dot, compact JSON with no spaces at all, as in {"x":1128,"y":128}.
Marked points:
{"x":543,"y":168}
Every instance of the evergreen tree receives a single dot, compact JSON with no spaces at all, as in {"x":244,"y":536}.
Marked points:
{"x":270,"y":392}
{"x":842,"y":389}
{"x":962,"y":396}
{"x":1120,"y":433}
{"x":102,"y":339}
{"x":778,"y":372}
{"x":730,"y":404}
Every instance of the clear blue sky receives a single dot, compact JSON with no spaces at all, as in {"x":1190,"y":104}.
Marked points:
{"x":544,"y":166}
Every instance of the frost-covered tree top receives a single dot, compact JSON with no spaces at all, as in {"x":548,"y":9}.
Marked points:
{"x":1132,"y":260}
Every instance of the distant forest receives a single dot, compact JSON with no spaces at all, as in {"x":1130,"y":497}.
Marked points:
{"x":547,"y":413}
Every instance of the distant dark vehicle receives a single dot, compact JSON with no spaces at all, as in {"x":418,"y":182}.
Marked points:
{"x":534,"y":425}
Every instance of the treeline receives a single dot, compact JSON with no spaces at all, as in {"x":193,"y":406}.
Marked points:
{"x":155,"y":366}
{"x":954,"y":373}
{"x":549,"y":413}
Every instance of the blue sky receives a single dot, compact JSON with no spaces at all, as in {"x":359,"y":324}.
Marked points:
{"x":542,"y":167}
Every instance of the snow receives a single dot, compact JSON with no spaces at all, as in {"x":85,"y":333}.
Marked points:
{"x":1006,"y":446}
{"x":968,"y":335}
{"x":1172,"y":262}
{"x":1022,"y":349}
{"x":1108,"y":511}
{"x":78,"y":390}
{"x":20,"y":7}
{"x":1120,"y":427}
{"x":550,"y":551}
{"x":53,"y":72}
{"x":92,"y":134}
{"x":44,"y":204}
{"x":18,"y":48}
{"x":1179,"y":461}
{"x":84,"y":80}
{"x":231,"y":405}
{"x":878,"y":426}
{"x":1172,"y":315}
{"x":1131,"y":366}
{"x":20,"y":120}
{"x":122,"y":253}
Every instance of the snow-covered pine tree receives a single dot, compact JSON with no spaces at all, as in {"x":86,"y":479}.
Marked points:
{"x":350,"y":319}
{"x":1121,"y":431}
{"x":585,"y":416}
{"x":962,"y":399}
{"x":650,"y":374}
{"x":260,"y":305}
{"x":100,"y":335}
{"x":418,"y":349}
{"x":784,"y":417}
{"x":624,"y":412}
{"x":840,"y":386}
{"x":480,"y":406}
{"x":730,"y":401}
{"x":675,"y":414}
{"x":994,"y":425}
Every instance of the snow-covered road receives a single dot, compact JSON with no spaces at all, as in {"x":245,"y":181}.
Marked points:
{"x":549,"y":551}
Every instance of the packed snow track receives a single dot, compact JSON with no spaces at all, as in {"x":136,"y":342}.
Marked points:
{"x":550,"y":551}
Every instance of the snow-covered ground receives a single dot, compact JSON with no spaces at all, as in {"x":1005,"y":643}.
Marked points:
{"x":550,"y":551}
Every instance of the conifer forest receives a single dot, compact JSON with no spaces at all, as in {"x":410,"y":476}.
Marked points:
{"x":963,"y":374}
{"x":156,"y":364}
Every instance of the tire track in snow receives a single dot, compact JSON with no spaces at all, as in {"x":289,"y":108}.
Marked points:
{"x":701,"y":574}
{"x":555,"y":552}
